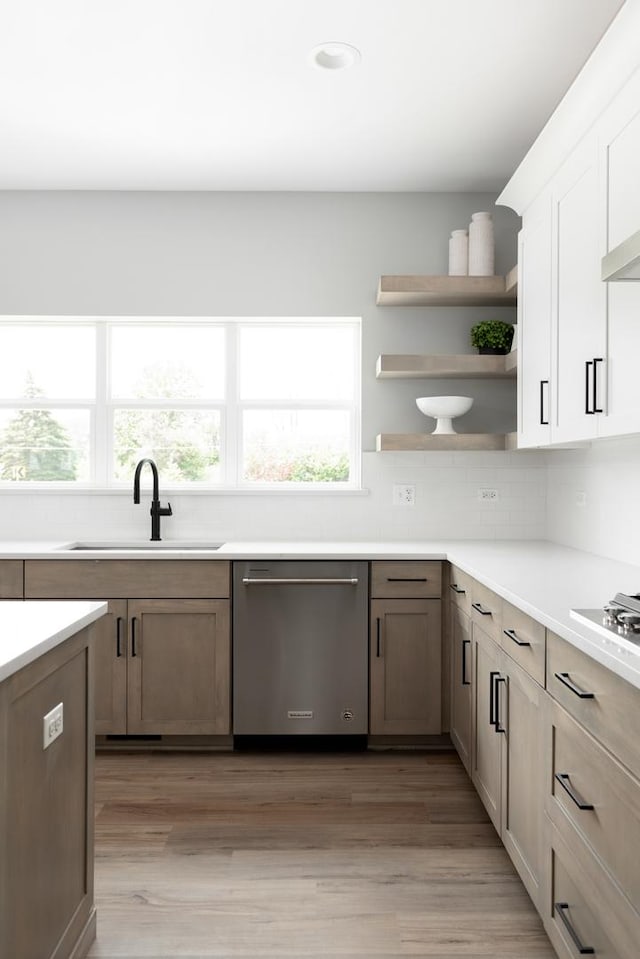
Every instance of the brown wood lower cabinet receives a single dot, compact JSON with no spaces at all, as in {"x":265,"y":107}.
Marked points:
{"x":405,"y":667}
{"x":507,"y":767}
{"x":163,"y":668}
{"x":163,"y":652}
{"x":46,"y":807}
{"x":460,"y":660}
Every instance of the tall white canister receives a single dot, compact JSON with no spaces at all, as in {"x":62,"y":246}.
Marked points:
{"x":458,"y":253}
{"x":481,"y":245}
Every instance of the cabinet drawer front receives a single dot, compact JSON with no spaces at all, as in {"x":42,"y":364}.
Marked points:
{"x":486,"y":610}
{"x":460,"y":589}
{"x":122,"y":579}
{"x":584,"y":908}
{"x":586,"y":775}
{"x":604,"y":703}
{"x":413,"y":580}
{"x":11,"y":579}
{"x":524,"y":640}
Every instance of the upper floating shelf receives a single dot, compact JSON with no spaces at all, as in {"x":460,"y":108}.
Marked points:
{"x":448,"y":290}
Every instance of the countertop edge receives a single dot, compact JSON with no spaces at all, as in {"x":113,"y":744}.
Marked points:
{"x":75,"y":616}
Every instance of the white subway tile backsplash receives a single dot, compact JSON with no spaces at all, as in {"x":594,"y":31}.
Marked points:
{"x":447,"y":506}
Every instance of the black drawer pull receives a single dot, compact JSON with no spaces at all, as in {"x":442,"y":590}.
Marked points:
{"x":378,"y":637}
{"x":407,"y":579}
{"x":465,"y":643}
{"x":596,"y":408}
{"x":483,"y":612}
{"x":492,"y":696}
{"x":565,"y":782}
{"x":565,"y":679}
{"x":511,"y":633}
{"x":561,"y":909}
{"x":119,"y":636}
{"x":456,"y":588}
{"x":499,"y":728}
{"x":587,"y":407}
{"x":134,"y":651}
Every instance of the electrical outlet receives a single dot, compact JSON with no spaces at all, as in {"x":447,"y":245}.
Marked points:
{"x":403,"y":495}
{"x":52,"y":725}
{"x":581,"y":498}
{"x":488,"y":495}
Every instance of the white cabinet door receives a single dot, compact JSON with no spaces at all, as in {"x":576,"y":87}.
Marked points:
{"x":534,"y":325}
{"x":619,"y":147}
{"x":579,"y":308}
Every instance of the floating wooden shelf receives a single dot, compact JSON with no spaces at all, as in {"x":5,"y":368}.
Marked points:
{"x":396,"y":366}
{"x":448,"y":290}
{"x":397,"y":442}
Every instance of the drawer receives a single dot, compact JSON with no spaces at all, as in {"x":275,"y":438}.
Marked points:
{"x":412,"y":580}
{"x":524,"y":640}
{"x":11,"y":578}
{"x":486,"y":610}
{"x":460,"y":589}
{"x":584,"y":909}
{"x":602,"y":702}
{"x":124,"y":579}
{"x":597,"y":797}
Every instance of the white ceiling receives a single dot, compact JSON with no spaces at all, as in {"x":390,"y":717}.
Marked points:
{"x":221,"y":94}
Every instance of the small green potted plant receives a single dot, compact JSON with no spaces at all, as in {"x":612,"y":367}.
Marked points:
{"x":492,"y":336}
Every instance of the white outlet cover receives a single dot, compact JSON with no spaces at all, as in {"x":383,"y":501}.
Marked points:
{"x":403,"y":495}
{"x":52,"y":725}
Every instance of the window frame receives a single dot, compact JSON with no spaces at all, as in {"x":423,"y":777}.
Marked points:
{"x":231,"y":406}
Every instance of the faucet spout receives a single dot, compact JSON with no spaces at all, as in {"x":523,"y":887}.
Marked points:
{"x":156,"y":509}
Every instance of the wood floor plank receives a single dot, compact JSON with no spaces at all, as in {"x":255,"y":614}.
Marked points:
{"x":311,"y":855}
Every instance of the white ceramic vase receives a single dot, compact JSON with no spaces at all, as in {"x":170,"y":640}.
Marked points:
{"x":481,"y":245}
{"x":458,"y":253}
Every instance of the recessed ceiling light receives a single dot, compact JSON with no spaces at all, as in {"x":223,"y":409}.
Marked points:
{"x":335,"y":56}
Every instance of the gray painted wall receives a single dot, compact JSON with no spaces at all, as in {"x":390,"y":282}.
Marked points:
{"x":260,"y":254}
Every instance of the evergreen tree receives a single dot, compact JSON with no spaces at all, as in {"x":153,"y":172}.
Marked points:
{"x":35,"y":446}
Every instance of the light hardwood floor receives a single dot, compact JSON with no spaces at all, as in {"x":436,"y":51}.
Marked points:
{"x":374,"y":854}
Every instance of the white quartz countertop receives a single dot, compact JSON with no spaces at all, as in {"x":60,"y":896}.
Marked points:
{"x":30,"y":629}
{"x":543,"y":579}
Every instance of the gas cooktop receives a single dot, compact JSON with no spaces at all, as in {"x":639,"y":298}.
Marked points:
{"x":620,"y":618}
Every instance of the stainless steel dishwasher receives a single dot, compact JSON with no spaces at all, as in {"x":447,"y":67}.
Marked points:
{"x":300,"y":648}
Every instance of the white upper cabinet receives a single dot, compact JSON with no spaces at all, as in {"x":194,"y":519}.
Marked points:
{"x":619,"y":156}
{"x":578,"y":300}
{"x":534,"y":325}
{"x":578,"y":192}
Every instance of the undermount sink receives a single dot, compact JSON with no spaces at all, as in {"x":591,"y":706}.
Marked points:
{"x":144,"y":545}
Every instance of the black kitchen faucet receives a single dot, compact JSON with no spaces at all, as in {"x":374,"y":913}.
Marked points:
{"x":156,"y":510}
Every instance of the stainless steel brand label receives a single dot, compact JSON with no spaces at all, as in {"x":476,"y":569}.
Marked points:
{"x":300,"y":714}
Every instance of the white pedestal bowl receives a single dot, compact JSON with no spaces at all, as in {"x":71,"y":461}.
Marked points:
{"x":444,"y":409}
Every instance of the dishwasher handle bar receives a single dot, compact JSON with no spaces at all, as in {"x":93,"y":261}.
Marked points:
{"x":300,"y":581}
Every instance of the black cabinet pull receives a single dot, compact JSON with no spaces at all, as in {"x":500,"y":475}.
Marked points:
{"x":479,"y":609}
{"x":511,"y":633}
{"x":378,"y":637}
{"x":587,"y":397}
{"x":596,"y":408}
{"x":543,"y":421}
{"x":465,"y":643}
{"x":499,"y":728}
{"x":119,"y":636}
{"x":407,"y":579}
{"x":565,"y":782}
{"x":566,"y":680}
{"x":134,"y":651}
{"x":456,"y":588}
{"x":561,"y":909}
{"x":492,"y":696}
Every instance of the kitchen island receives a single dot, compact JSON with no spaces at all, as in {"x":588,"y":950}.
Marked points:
{"x":46,"y":781}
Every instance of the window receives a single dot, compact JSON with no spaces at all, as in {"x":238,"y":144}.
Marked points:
{"x":228,"y":403}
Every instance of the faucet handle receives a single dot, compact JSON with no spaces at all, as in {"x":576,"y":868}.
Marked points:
{"x":165,"y":510}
